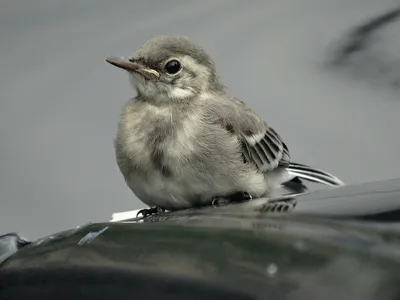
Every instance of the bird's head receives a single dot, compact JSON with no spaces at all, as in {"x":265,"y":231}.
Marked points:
{"x":169,"y":68}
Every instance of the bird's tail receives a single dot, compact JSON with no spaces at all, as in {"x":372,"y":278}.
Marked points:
{"x":311,"y":174}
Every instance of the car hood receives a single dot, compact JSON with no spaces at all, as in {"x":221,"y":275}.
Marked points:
{"x":333,"y":243}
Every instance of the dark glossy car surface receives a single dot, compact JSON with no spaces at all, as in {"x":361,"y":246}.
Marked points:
{"x":342,"y":243}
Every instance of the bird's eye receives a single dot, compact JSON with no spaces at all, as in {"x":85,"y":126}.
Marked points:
{"x":173,"y":66}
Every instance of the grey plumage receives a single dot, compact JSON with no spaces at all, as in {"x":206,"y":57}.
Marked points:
{"x":183,"y":140}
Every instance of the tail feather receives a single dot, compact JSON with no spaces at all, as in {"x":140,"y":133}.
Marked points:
{"x":311,"y":174}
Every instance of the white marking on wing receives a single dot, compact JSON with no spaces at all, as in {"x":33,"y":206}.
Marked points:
{"x":255,"y":138}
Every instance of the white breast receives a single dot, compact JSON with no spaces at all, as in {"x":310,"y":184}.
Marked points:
{"x":178,"y":148}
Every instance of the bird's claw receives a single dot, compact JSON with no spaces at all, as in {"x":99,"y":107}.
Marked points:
{"x":218,"y":201}
{"x":233,"y":198}
{"x":146,"y":212}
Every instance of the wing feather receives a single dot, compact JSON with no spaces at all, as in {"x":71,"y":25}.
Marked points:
{"x":261,"y":144}
{"x":266,"y":150}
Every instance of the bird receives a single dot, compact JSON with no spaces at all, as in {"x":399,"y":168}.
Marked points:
{"x":183,"y":141}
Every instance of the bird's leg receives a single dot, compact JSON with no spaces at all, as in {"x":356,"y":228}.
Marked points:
{"x":146,"y":212}
{"x":232,"y":198}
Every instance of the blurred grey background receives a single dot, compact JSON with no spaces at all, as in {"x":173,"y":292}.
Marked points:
{"x":60,"y":100}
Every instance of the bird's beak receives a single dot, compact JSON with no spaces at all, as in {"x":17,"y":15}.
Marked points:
{"x":132,"y":66}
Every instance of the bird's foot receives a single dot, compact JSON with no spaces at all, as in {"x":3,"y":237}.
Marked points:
{"x":146,"y":212}
{"x":232,"y":198}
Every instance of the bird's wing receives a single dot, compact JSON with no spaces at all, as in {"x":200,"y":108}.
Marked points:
{"x":265,"y":149}
{"x":261,"y":144}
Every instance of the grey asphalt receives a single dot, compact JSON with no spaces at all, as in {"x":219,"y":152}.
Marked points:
{"x":60,"y":101}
